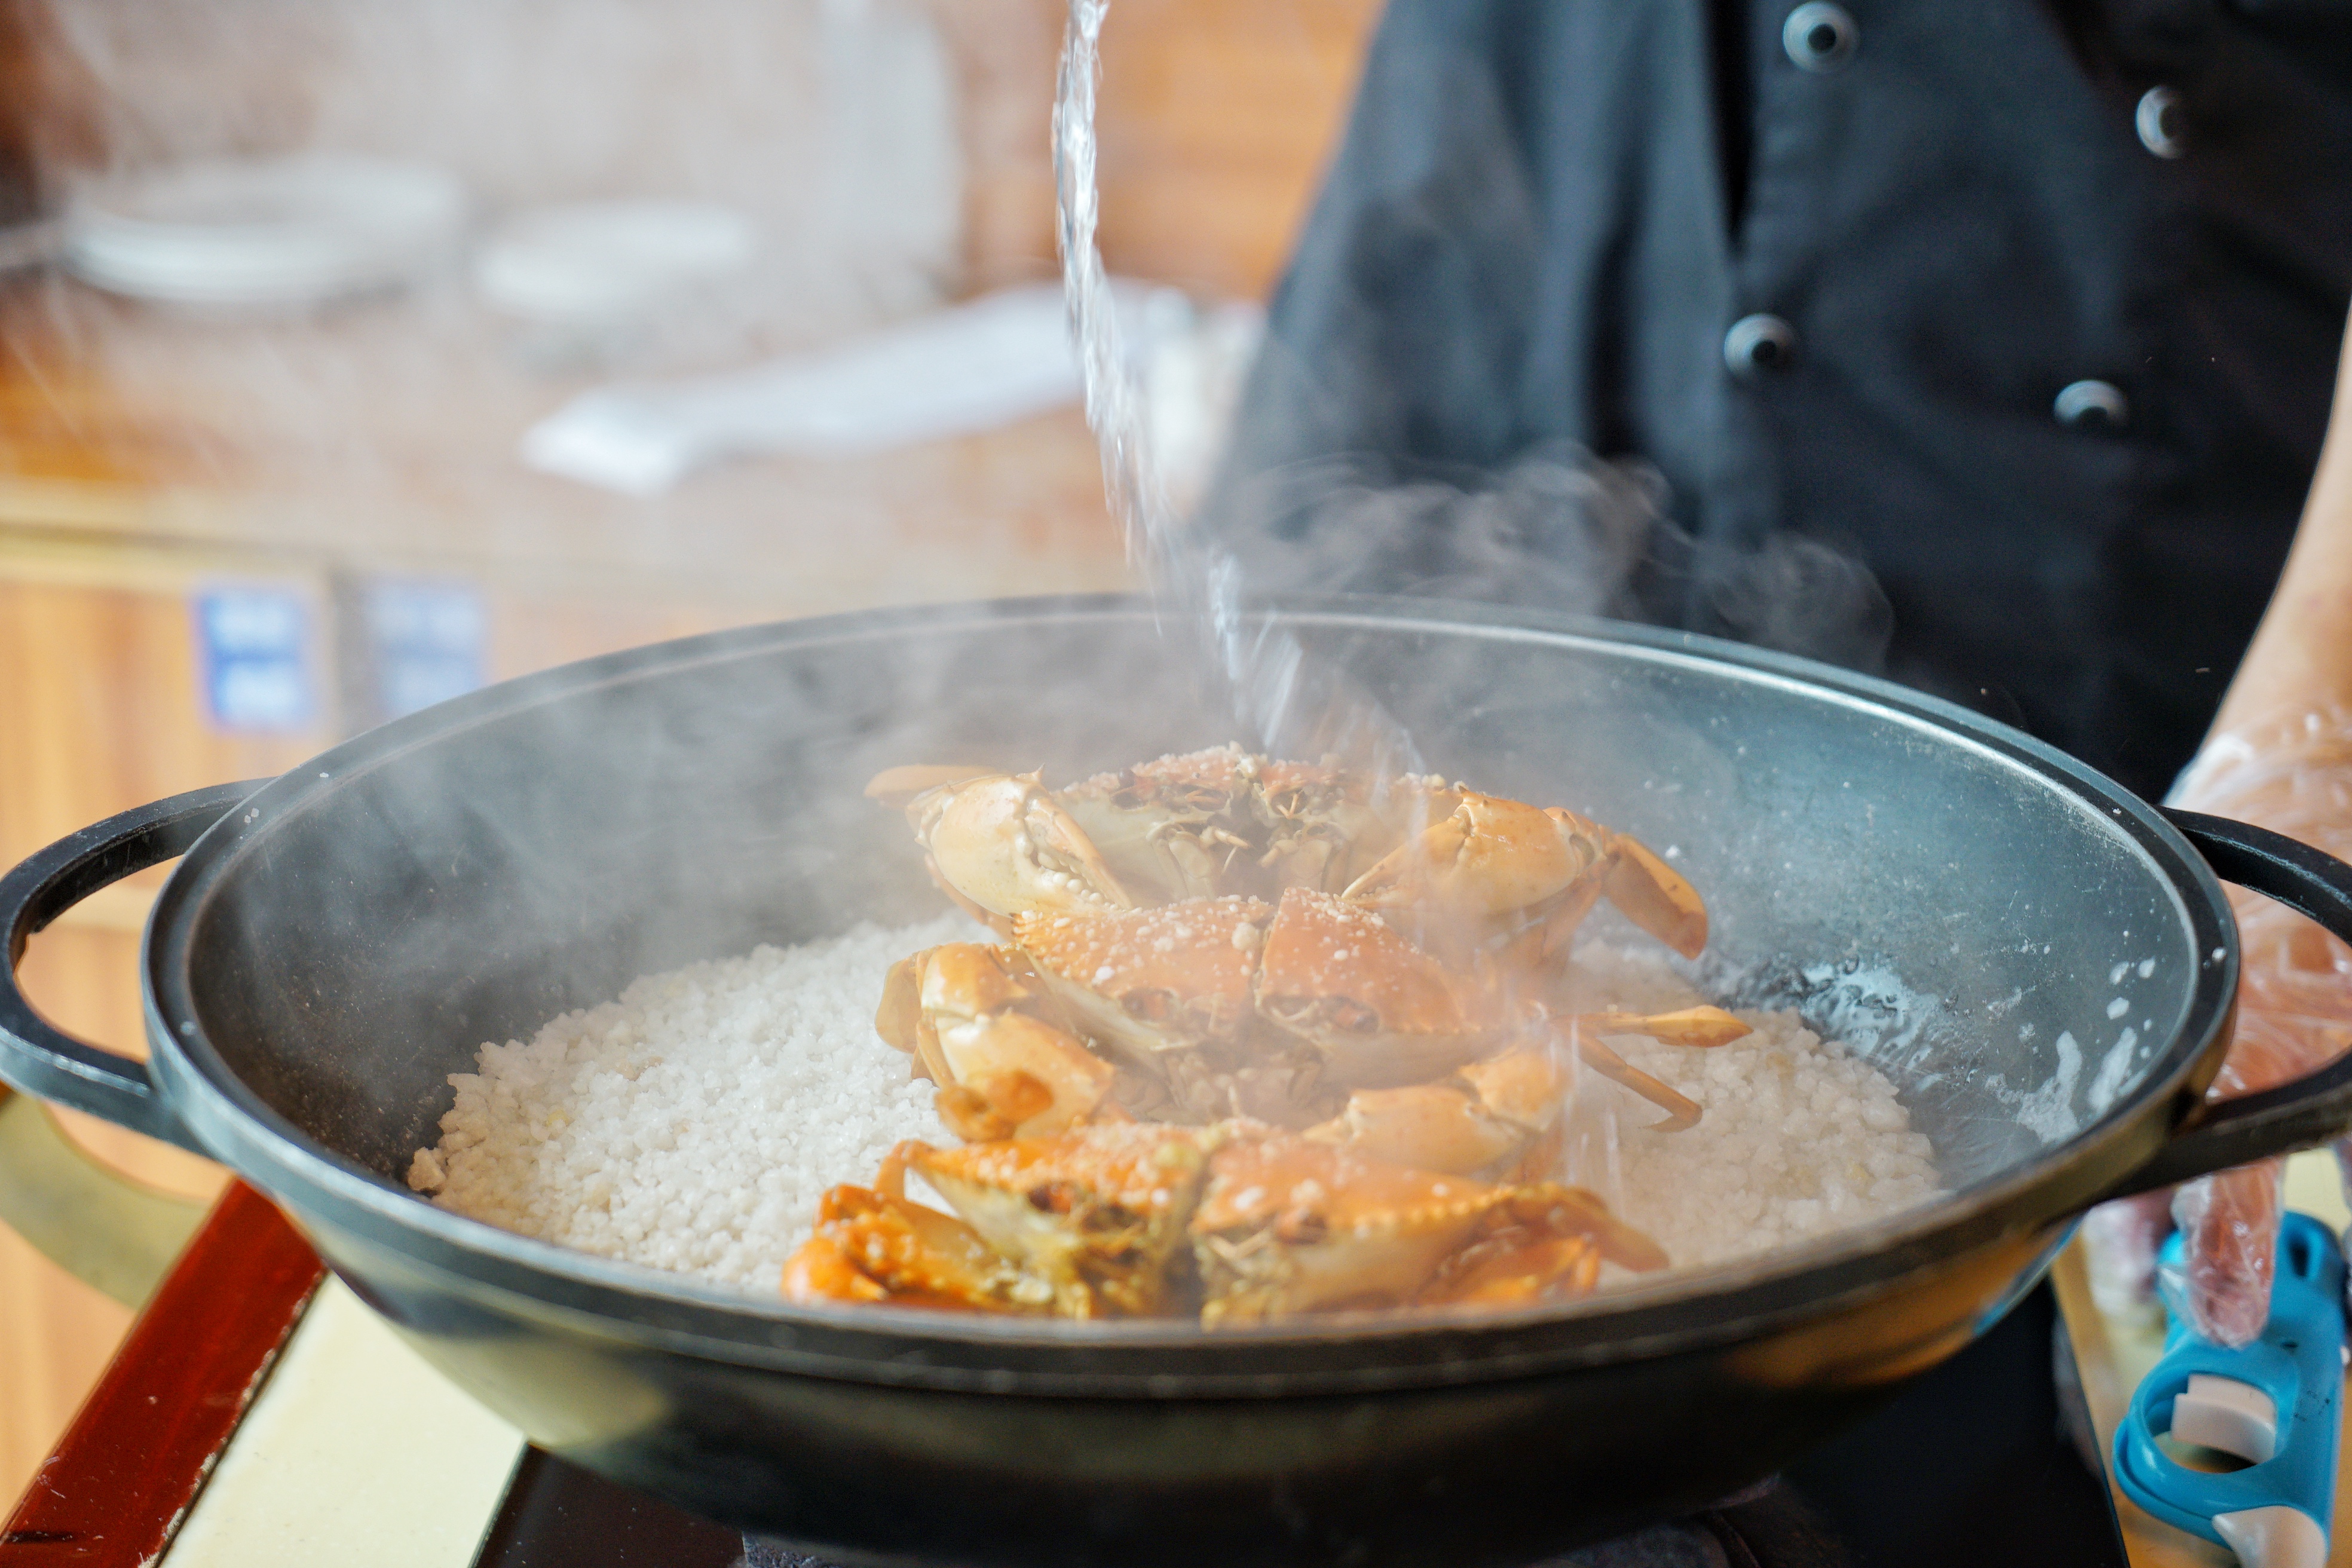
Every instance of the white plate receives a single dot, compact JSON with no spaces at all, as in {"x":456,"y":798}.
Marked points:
{"x":264,"y":231}
{"x":598,"y":261}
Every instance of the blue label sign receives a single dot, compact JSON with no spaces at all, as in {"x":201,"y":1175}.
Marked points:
{"x":254,"y":658}
{"x":427,"y":642}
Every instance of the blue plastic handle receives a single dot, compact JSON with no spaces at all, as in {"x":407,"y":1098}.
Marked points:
{"x":2298,"y":1361}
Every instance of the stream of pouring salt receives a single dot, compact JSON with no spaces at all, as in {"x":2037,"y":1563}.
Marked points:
{"x":1282,"y":699}
{"x":1283,"y":702}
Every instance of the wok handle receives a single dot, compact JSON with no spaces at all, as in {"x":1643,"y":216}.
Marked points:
{"x":2311,"y":1110}
{"x":35,"y":1055}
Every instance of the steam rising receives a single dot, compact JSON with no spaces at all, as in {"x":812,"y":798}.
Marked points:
{"x":1555,"y":529}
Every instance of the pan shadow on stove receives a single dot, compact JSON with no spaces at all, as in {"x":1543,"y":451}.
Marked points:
{"x":1971,"y":1465}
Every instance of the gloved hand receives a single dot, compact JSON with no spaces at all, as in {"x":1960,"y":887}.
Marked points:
{"x":2295,"y":1012}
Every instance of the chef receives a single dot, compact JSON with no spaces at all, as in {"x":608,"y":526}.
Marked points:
{"x":2023,"y":316}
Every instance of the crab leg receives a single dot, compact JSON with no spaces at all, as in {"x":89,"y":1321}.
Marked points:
{"x":1682,"y":1112}
{"x":1495,"y":1110}
{"x":1696,"y":1026}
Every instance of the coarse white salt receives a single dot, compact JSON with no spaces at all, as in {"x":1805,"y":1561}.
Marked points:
{"x":693,"y":1124}
{"x":1799,"y":1135}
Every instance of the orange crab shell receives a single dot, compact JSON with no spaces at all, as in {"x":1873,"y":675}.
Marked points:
{"x":875,"y":1247}
{"x":1175,"y":829}
{"x":1208,"y":780}
{"x":1154,"y":979}
{"x":1311,"y":1186}
{"x":1382,"y":1012}
{"x":1097,"y":1213}
{"x":1325,"y":826}
{"x":1288,"y":1225}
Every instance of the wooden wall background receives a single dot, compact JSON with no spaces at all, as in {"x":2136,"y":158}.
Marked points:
{"x":1217,"y":115}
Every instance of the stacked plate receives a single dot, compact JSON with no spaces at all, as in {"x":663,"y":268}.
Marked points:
{"x":266,"y":232}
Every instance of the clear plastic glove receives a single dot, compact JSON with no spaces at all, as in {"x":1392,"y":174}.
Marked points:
{"x":2122,"y":1238}
{"x":2295,"y":1013}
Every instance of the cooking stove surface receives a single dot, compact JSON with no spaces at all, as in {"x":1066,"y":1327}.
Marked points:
{"x":1976,"y":1463}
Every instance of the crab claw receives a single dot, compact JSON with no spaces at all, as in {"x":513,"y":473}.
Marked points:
{"x":1542,"y":1242}
{"x":1576,"y":1211}
{"x":1655,"y":896}
{"x":1487,"y":856}
{"x":1289,"y":1225}
{"x":967,"y":1014}
{"x":874,"y":1246}
{"x":1001,"y":842}
{"x":1490,"y":1113}
{"x":1513,"y":1267}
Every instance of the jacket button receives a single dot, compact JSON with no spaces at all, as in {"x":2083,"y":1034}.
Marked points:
{"x":1758,"y":343}
{"x":2092,"y":406}
{"x":2161,"y":122}
{"x":1819,"y":37}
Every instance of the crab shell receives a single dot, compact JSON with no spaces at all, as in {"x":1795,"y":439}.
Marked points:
{"x":1151,"y":982}
{"x":1225,"y":821}
{"x":1260,"y":986}
{"x":1492,"y":1112}
{"x":1098,"y":1215}
{"x":1377,"y":1009}
{"x":1326,"y":826}
{"x":1289,"y":1227}
{"x":1176,"y":828}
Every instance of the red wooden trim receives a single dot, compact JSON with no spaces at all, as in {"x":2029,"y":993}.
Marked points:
{"x":122,"y":1477}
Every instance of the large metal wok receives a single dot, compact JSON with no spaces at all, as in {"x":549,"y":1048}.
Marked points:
{"x":1963,"y":902}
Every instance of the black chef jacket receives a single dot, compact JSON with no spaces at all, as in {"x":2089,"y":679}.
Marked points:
{"x":1561,"y":223}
